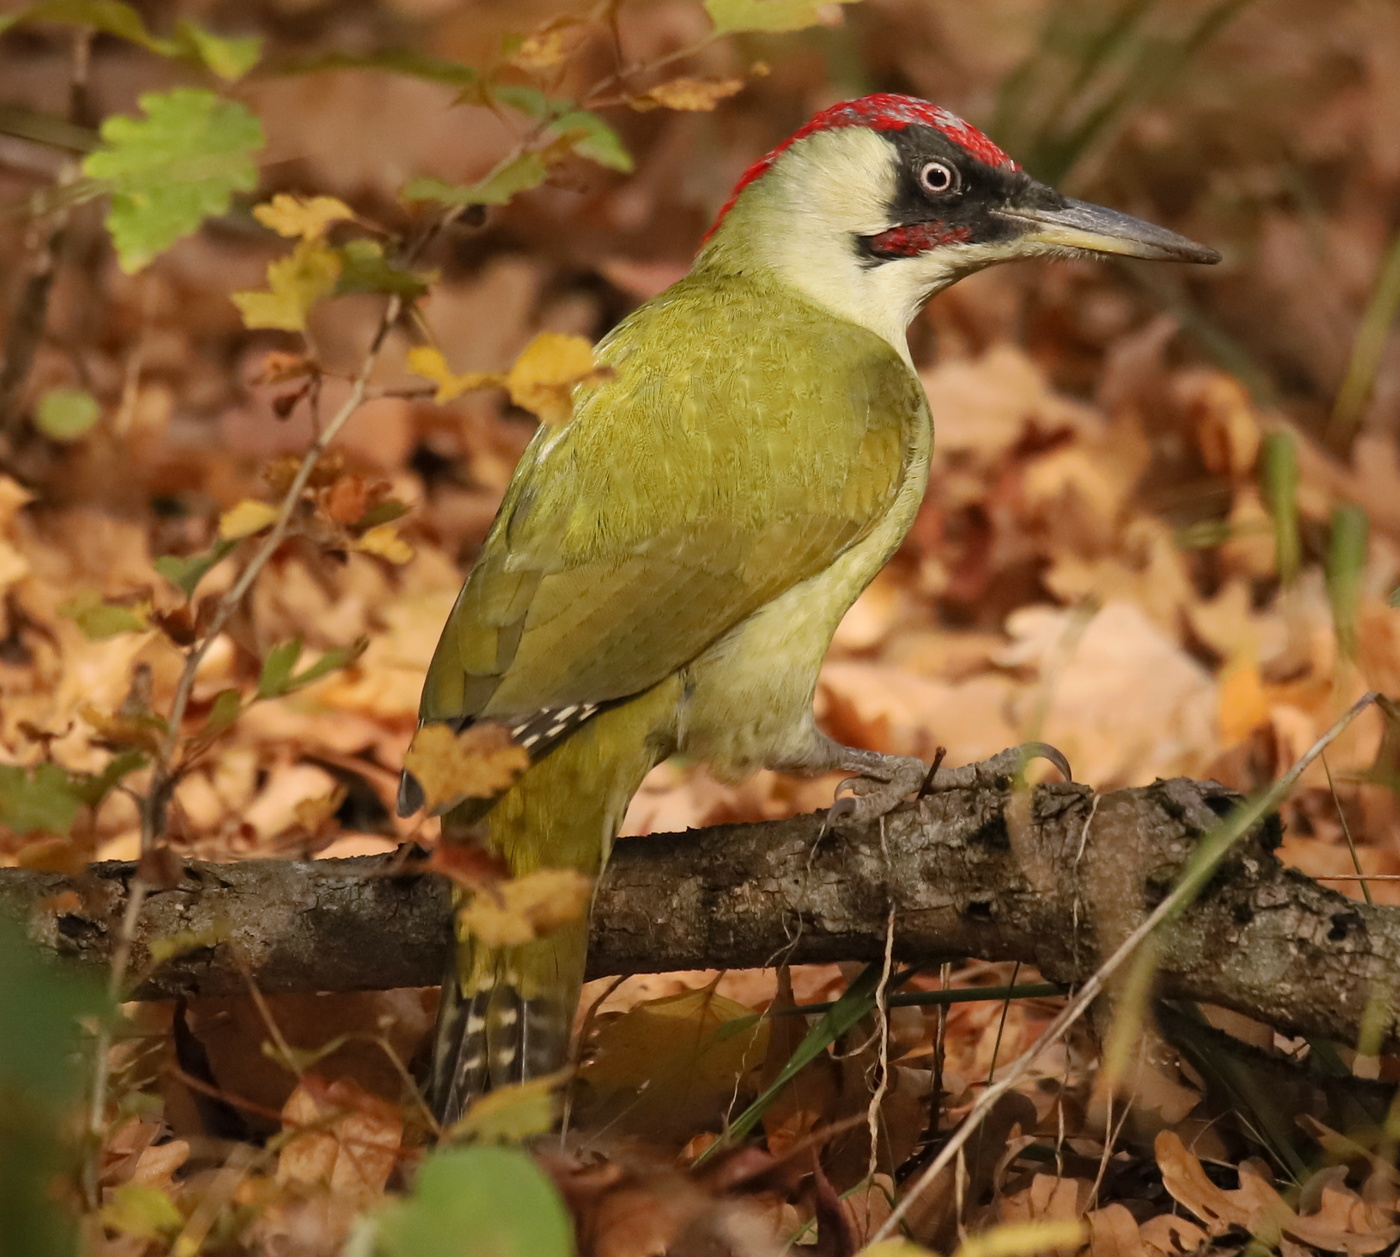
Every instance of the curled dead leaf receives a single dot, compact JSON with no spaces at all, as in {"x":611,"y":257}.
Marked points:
{"x":690,"y":94}
{"x":478,"y":763}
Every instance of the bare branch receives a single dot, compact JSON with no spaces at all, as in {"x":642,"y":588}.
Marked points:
{"x":1058,"y":880}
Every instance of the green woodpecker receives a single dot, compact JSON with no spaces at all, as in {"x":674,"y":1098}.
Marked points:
{"x":669,"y":565}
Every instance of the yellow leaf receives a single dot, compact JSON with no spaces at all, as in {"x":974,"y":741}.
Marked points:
{"x":895,"y":1248}
{"x":303,"y":217}
{"x":1021,"y":1239}
{"x":477,"y":763}
{"x":141,"y":1213}
{"x":295,"y":284}
{"x":541,"y":51}
{"x":511,"y":1114}
{"x":698,"y":95}
{"x":428,"y":362}
{"x":243,"y":520}
{"x":526,"y":908}
{"x":543,"y":378}
{"x":384,"y":540}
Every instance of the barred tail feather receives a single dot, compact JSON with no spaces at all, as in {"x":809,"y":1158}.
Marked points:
{"x":506,"y":1016}
{"x":507,"y":1012}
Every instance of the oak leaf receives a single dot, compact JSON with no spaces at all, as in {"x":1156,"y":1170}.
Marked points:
{"x":526,"y":908}
{"x":477,"y":763}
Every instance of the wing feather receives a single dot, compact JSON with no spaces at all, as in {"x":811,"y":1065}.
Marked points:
{"x":717,"y":468}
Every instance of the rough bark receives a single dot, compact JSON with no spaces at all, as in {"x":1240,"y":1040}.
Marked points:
{"x":1053,"y":879}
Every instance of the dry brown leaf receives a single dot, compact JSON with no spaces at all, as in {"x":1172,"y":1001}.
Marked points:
{"x":342,"y":1137}
{"x":1113,"y":1232}
{"x":668,"y":1067}
{"x":1227,"y":428}
{"x":700,"y":95}
{"x":1258,"y":1208}
{"x":1172,"y":1236}
{"x":477,"y":763}
{"x":524,"y":908}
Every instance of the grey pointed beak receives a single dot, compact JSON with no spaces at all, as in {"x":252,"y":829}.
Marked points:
{"x":1080,"y":225}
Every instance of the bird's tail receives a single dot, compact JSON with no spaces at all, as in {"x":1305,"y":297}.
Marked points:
{"x":506,"y":1015}
{"x":507,"y":1012}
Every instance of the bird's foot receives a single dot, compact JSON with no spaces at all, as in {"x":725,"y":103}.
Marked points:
{"x":885,"y":781}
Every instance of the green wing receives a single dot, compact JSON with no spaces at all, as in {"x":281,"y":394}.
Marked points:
{"x":687,"y":491}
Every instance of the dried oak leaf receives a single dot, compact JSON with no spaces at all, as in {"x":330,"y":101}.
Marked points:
{"x":526,"y":908}
{"x":478,"y":763}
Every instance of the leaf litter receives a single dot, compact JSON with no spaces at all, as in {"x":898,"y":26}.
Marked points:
{"x":1106,"y":517}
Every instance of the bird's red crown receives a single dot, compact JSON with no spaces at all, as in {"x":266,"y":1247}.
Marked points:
{"x":884,"y":111}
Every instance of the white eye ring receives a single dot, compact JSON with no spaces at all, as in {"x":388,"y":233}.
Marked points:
{"x":938,"y":177}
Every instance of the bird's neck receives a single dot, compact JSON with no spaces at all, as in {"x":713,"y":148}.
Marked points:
{"x":798,"y":226}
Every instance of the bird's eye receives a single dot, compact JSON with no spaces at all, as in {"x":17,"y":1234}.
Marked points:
{"x":938,"y":177}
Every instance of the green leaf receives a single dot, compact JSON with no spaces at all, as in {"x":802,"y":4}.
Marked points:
{"x":530,"y":101}
{"x":277,"y":668}
{"x":732,"y":16}
{"x":364,"y":268}
{"x":525,"y":171}
{"x":597,"y":141}
{"x":41,"y":800}
{"x":186,"y":573}
{"x":385,"y":513}
{"x":403,"y":61}
{"x":1346,"y":570}
{"x":225,"y":709}
{"x":468,"y":1202}
{"x":228,"y":58}
{"x":172,"y":169}
{"x":141,"y":1213}
{"x":41,"y":1076}
{"x":510,"y":1114}
{"x":66,"y":414}
{"x":91,"y":788}
{"x":108,"y":16}
{"x":1279,"y":470}
{"x":100,"y":620}
{"x":858,"y":1001}
{"x":331,"y":661}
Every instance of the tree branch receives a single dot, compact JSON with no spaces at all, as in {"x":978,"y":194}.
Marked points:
{"x":1056,"y":879}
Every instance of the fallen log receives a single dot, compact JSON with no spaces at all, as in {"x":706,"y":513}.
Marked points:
{"x":1053,"y":878}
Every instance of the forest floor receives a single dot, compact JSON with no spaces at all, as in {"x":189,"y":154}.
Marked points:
{"x":1162,"y":528}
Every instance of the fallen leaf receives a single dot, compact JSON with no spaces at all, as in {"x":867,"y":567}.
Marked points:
{"x":340,"y":1137}
{"x":477,"y":763}
{"x":524,"y":908}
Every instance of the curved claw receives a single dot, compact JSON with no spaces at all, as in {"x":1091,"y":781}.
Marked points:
{"x":1043,"y":750}
{"x":857,"y":786}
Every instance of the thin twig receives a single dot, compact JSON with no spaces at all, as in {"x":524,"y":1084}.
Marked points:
{"x":163,"y":775}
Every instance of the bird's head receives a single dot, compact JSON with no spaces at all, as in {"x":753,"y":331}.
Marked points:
{"x":878,"y":203}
